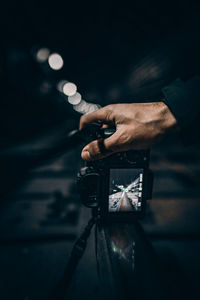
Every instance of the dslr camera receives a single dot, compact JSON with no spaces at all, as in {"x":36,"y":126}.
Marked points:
{"x":116,"y":186}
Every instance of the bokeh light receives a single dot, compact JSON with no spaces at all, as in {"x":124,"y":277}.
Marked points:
{"x":75,"y":99}
{"x":81,"y":107}
{"x":55,"y":61}
{"x":60,"y":85}
{"x":69,"y":89}
{"x":84,"y":107}
{"x":42,"y":55}
{"x":92,"y":107}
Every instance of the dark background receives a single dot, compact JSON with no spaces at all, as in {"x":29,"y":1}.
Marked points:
{"x":114,"y":52}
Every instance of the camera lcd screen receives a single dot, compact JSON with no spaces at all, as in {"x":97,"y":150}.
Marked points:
{"x":125,"y":190}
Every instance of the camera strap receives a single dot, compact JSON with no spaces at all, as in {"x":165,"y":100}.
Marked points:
{"x":76,"y":254}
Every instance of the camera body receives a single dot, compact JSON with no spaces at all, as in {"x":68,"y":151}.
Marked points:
{"x":117,"y":186}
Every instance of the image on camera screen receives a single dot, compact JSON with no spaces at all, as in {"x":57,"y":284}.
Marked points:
{"x":125,"y":190}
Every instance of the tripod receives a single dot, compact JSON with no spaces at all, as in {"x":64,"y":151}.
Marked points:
{"x":60,"y":293}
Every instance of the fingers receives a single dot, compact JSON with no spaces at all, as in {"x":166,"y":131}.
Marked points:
{"x":102,"y":148}
{"x":94,"y":150}
{"x":104,"y":115}
{"x":105,"y":126}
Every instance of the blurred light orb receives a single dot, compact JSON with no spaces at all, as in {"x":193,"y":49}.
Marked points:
{"x":69,"y":89}
{"x":81,"y":107}
{"x":92,"y":107}
{"x":60,"y":85}
{"x":42,"y":55}
{"x":75,"y":99}
{"x":55,"y":61}
{"x":85,"y":107}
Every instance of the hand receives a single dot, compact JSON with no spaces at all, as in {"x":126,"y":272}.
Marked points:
{"x":138,"y":126}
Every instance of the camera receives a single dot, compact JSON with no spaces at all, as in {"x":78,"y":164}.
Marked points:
{"x":117,"y":186}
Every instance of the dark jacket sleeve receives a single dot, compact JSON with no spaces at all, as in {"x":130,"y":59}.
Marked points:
{"x":183,"y":99}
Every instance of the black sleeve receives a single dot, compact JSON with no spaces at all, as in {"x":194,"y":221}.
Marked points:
{"x":183,"y":99}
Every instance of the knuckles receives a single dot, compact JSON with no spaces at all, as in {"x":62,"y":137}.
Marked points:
{"x":108,"y":113}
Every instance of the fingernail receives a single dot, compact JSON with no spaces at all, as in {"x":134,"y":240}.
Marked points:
{"x":86,"y":155}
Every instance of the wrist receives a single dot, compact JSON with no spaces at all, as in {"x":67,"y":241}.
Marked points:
{"x":170,"y":123}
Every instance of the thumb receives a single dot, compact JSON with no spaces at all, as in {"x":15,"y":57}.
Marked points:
{"x":101,"y":148}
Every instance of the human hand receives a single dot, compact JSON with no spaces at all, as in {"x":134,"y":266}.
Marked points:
{"x":138,"y":126}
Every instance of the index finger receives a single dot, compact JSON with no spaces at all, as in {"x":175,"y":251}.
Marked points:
{"x":103,"y":114}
